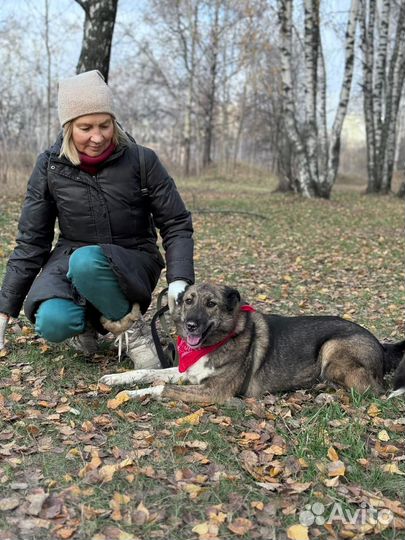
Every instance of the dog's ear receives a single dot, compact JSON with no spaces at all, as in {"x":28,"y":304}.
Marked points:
{"x":232,"y":298}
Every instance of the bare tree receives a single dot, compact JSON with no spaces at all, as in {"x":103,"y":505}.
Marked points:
{"x":97,"y":35}
{"x":317,"y":155}
{"x":383,"y":79}
{"x":48,"y":74}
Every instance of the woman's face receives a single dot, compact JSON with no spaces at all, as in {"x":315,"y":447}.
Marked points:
{"x":92,"y":133}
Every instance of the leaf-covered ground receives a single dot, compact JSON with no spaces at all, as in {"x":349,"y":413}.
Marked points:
{"x":320,"y":464}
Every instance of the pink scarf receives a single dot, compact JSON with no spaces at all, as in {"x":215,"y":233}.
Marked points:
{"x":189,"y":356}
{"x":91,"y":164}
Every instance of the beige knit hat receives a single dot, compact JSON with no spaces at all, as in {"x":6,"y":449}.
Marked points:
{"x":86,"y":93}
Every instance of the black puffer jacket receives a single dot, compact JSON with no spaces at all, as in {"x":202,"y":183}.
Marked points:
{"x":107,"y":209}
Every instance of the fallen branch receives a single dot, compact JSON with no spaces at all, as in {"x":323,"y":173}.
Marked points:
{"x":205,"y":211}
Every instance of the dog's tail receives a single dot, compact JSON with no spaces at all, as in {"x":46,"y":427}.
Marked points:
{"x":394,"y":358}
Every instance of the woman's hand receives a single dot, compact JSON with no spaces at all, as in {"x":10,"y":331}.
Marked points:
{"x":175,"y":288}
{"x":3,"y":325}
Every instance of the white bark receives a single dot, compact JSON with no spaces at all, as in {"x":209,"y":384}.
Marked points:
{"x":334,"y":144}
{"x":285,"y":18}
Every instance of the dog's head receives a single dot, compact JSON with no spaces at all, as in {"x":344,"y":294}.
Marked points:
{"x":205,"y":314}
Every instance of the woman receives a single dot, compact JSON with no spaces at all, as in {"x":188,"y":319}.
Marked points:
{"x":105,"y":265}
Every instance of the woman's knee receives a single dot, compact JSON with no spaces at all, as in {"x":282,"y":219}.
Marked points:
{"x":83,"y":263}
{"x":58,"y":319}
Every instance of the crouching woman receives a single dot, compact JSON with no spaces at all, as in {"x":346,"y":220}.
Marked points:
{"x":105,"y":264}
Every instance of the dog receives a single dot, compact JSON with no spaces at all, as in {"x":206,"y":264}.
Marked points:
{"x":227,"y":350}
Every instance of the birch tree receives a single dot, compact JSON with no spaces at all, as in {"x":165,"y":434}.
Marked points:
{"x":97,"y":35}
{"x":317,"y":154}
{"x":383,"y":61}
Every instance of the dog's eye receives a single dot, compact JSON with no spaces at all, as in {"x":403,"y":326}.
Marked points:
{"x":188,"y":301}
{"x":211,"y":304}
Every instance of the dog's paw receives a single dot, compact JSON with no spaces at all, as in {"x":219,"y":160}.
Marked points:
{"x":113,"y":379}
{"x":397,"y":393}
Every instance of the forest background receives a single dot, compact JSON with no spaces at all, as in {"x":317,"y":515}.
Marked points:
{"x":299,"y":91}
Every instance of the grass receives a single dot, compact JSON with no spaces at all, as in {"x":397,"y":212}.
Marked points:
{"x":239,"y":472}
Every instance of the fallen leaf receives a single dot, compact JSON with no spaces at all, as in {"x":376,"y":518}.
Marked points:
{"x":201,"y":529}
{"x":332,"y":454}
{"x":193,"y":418}
{"x":9,"y":503}
{"x":65,"y":532}
{"x":392,"y":468}
{"x":240,"y":526}
{"x":373,"y":410}
{"x":336,"y":468}
{"x":297,"y":532}
{"x":36,"y":500}
{"x":383,"y":435}
{"x":120,"y":398}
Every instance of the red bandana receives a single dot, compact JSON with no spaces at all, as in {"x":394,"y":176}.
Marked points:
{"x":91,"y":164}
{"x":189,"y":356}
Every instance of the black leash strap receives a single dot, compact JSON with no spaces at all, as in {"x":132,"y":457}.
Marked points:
{"x":142,"y":166}
{"x":170,"y":357}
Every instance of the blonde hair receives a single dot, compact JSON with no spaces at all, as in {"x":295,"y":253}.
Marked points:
{"x":69,"y":150}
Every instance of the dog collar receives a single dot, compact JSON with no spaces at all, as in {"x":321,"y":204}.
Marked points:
{"x":189,"y":355}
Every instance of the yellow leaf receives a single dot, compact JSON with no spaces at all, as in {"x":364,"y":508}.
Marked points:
{"x":261,"y":297}
{"x":347,"y":316}
{"x":120,"y":398}
{"x":74,"y":452}
{"x":3,"y":353}
{"x":332,"y":454}
{"x":192,"y":419}
{"x":65,"y":532}
{"x":392,"y":468}
{"x":304,"y":464}
{"x":107,"y":472}
{"x":332,"y":482}
{"x":297,"y":532}
{"x":373,"y":410}
{"x":193,"y":490}
{"x":276,"y":450}
{"x":383,"y":435}
{"x":201,"y":528}
{"x":336,"y":468}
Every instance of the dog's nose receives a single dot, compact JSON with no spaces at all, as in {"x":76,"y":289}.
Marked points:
{"x":191,"y":326}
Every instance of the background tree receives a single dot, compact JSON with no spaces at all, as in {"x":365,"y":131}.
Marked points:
{"x":383,"y":60}
{"x":317,"y":153}
{"x":97,"y":35}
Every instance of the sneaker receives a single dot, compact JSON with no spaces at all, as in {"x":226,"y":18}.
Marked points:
{"x":86,"y":343}
{"x":139,"y":346}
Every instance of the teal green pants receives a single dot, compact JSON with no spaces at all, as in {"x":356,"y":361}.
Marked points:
{"x":90,"y":272}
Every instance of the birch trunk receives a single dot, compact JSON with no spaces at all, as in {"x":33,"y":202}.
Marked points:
{"x":380,"y":67}
{"x":383,"y":80}
{"x":97,"y":35}
{"x":311,"y":47}
{"x":304,"y":180}
{"x":191,"y":68}
{"x":334,"y":141}
{"x":48,"y":74}
{"x":394,"y":90}
{"x":211,"y":97}
{"x":367,"y":47}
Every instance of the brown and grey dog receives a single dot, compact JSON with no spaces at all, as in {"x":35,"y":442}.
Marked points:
{"x":246,"y":353}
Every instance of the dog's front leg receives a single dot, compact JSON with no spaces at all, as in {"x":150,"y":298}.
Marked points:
{"x":196,"y":393}
{"x":142,"y":376}
{"x":193,"y":393}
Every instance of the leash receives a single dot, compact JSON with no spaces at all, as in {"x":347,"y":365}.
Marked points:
{"x":168,"y":358}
